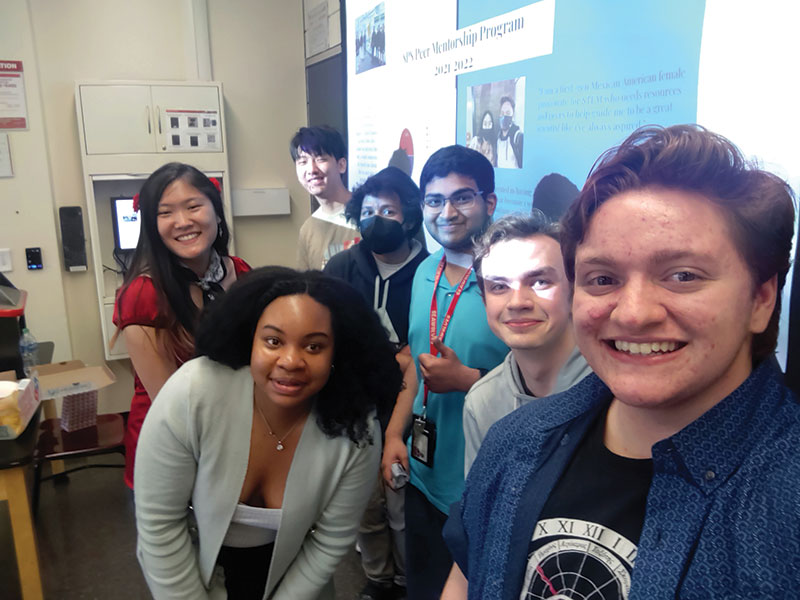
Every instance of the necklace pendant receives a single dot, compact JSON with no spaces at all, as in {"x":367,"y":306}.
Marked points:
{"x":279,"y":446}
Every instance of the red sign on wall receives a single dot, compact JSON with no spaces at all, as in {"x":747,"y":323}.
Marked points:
{"x":13,"y":112}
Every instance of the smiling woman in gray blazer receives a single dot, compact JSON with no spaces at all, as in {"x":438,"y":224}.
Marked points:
{"x":269,"y":439}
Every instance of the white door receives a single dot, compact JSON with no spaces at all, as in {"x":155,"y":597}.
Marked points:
{"x":118,"y":119}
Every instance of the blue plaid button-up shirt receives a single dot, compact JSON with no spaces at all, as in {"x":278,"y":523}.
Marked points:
{"x":723,"y":510}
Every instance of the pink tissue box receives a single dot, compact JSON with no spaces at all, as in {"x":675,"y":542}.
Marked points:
{"x":79,"y":411}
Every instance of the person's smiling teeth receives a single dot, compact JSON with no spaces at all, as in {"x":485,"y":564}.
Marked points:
{"x":645,"y":347}
{"x":288,"y":383}
{"x":187,"y":237}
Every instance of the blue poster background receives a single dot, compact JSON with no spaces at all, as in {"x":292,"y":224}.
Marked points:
{"x":616,"y":65}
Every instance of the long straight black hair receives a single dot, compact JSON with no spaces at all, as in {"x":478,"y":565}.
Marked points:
{"x":178,"y":314}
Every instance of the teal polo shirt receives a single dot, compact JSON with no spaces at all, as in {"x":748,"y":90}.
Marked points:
{"x":476,"y":346}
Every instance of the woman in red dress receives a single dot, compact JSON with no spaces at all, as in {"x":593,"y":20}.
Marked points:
{"x":180,"y":265}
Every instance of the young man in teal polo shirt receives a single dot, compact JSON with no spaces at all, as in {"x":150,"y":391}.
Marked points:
{"x":452,"y":347}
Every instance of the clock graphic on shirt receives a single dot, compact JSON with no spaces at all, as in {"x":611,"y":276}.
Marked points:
{"x":578,"y":560}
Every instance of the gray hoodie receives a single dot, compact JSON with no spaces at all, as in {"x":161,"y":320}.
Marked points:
{"x":501,"y":391}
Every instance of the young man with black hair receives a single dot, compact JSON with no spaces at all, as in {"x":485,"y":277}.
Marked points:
{"x":320,"y":159}
{"x":672,"y":471}
{"x":386,"y":209}
{"x":528,"y":306}
{"x":452,"y":347}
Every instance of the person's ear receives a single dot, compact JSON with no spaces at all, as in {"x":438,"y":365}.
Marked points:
{"x":342,"y":164}
{"x":491,"y":203}
{"x":763,"y":304}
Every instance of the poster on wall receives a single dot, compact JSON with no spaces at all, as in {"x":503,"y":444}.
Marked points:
{"x":193,"y":130}
{"x":402,"y":71}
{"x":13,"y":110}
{"x":543,"y":87}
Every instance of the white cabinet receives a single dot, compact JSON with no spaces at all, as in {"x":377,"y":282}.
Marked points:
{"x":117,"y":119}
{"x":123,"y":118}
{"x":127,"y":130}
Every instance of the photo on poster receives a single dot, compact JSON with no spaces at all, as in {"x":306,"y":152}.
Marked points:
{"x":496,"y":121}
{"x":193,"y":130}
{"x":371,"y":39}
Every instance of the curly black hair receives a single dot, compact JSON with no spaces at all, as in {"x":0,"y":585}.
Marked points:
{"x":366,"y":376}
{"x":390,"y":180}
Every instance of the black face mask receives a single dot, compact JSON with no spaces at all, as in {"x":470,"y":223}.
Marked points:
{"x":381,"y":235}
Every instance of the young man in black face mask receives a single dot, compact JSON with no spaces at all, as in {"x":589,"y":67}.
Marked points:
{"x":387,"y":211}
{"x":509,"y":140}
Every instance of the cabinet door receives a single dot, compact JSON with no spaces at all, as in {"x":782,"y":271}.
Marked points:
{"x":188,"y":118}
{"x":117,"y":119}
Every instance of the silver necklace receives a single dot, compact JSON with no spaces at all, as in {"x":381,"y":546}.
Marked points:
{"x":280,"y":445}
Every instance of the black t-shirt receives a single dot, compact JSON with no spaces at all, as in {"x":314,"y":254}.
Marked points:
{"x":585,"y":540}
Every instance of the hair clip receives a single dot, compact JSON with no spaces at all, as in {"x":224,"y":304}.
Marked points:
{"x":216,"y":183}
{"x":136,"y":202}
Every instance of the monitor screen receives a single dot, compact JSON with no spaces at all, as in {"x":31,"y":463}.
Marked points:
{"x":126,"y":223}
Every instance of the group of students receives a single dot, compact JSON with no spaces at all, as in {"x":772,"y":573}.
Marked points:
{"x":566,"y":400}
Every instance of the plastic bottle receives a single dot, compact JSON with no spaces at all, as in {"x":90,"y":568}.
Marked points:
{"x":29,"y":350}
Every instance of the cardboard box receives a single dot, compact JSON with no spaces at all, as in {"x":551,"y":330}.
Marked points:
{"x":77,"y":385}
{"x":73,"y":381}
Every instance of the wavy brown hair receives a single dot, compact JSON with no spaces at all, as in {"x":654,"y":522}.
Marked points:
{"x":758,"y":205}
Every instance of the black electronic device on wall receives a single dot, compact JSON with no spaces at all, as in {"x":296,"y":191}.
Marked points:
{"x":33,"y":257}
{"x":73,"y":240}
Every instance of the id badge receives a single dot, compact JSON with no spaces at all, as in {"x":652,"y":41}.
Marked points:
{"x":423,"y":440}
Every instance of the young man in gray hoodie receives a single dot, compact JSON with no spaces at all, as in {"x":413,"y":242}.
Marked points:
{"x":527,"y":295}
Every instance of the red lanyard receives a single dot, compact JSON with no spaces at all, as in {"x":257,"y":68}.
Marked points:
{"x":448,"y":315}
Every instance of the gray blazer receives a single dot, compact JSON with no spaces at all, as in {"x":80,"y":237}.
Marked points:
{"x":194,"y":447}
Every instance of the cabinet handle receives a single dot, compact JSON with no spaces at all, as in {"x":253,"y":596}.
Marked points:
{"x":147,"y":111}
{"x":158,"y":114}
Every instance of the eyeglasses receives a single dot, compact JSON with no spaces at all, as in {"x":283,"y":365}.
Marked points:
{"x":462,"y":199}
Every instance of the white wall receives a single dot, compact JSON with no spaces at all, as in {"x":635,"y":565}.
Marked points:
{"x":27,"y":213}
{"x":257,"y":52}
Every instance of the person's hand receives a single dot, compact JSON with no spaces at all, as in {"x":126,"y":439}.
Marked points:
{"x":403,"y":357}
{"x":446,"y":372}
{"x":394,"y":451}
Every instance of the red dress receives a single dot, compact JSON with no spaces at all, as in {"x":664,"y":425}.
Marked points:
{"x":138,"y":305}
